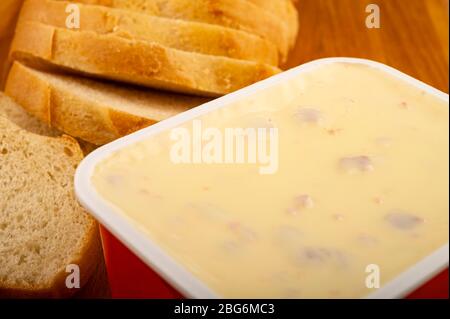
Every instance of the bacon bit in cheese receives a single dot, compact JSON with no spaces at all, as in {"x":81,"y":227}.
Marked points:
{"x":356,"y":163}
{"x":321,"y":256}
{"x":301,"y":203}
{"x":404,"y":105}
{"x":309,"y":115}
{"x":304,"y":201}
{"x":334,"y":131}
{"x":403,"y":220}
{"x":378,"y":200}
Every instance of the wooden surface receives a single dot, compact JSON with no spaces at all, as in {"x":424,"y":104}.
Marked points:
{"x":413,"y":38}
{"x":413,"y":35}
{"x":97,"y":286}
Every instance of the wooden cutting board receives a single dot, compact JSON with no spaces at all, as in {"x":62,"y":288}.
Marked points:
{"x":413,"y":37}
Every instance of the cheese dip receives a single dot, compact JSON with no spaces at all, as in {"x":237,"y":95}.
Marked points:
{"x":358,"y":182}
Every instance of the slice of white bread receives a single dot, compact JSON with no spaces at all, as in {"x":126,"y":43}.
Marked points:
{"x":237,"y":14}
{"x":16,"y":114}
{"x":93,"y":111}
{"x":134,"y":61}
{"x":179,"y":34}
{"x":42,"y":227}
{"x":286,"y":11}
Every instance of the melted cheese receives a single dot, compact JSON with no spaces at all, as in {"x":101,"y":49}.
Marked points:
{"x":362,"y":179}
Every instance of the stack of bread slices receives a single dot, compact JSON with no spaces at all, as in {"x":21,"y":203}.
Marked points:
{"x":87,"y":72}
{"x":199,"y":48}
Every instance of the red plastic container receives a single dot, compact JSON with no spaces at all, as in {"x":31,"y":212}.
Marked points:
{"x":161,"y":277}
{"x":129,"y":277}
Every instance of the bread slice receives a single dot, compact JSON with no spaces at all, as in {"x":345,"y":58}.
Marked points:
{"x":183,"y":35}
{"x":42,"y":227}
{"x":134,"y":61}
{"x":286,"y":11}
{"x":93,"y":111}
{"x":237,"y":14}
{"x":16,"y":114}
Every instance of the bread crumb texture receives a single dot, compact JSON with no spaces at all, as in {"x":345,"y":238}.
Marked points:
{"x":42,"y":227}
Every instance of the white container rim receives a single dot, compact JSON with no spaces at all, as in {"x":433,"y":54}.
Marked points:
{"x":174,"y":273}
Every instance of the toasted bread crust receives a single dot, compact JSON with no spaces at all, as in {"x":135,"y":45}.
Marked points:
{"x":178,"y":34}
{"x":50,"y":104}
{"x":78,"y":115}
{"x":286,"y":11}
{"x":229,"y":13}
{"x":138,"y":62}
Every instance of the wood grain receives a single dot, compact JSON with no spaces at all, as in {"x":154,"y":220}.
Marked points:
{"x":413,"y":38}
{"x":413,"y":35}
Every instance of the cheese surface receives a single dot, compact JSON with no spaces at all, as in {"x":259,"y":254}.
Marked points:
{"x":361,"y":179}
